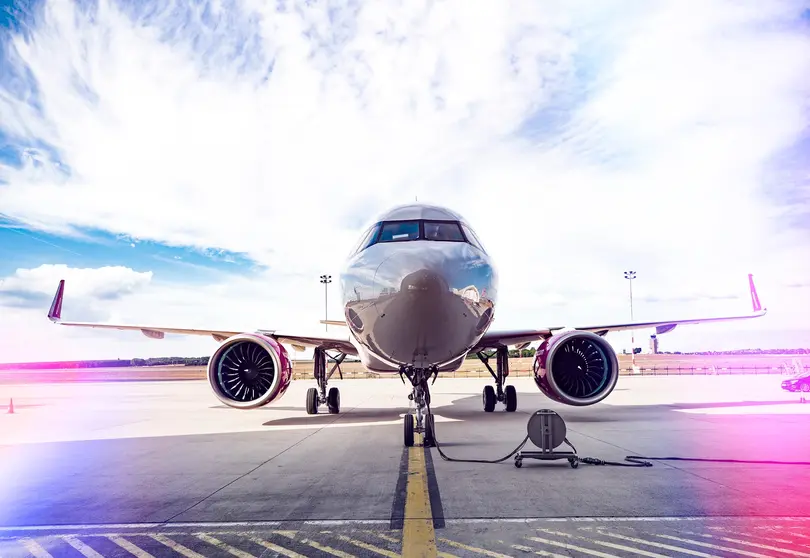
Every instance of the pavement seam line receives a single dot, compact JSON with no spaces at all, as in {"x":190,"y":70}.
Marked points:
{"x":259,"y":466}
{"x":418,"y":534}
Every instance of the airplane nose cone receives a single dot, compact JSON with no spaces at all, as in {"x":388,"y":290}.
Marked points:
{"x":424,"y":282}
{"x":410,"y":270}
{"x":429,"y":302}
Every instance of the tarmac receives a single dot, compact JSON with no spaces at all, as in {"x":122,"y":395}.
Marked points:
{"x":163,"y":469}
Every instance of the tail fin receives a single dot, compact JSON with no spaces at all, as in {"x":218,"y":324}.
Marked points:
{"x":754,"y":297}
{"x":55,"y":313}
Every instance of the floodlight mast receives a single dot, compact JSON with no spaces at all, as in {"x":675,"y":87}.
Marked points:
{"x":632,"y":275}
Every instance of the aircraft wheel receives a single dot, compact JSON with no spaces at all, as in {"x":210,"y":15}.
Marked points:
{"x":489,"y":399}
{"x":333,"y":400}
{"x":409,"y":430}
{"x":511,"y":399}
{"x":429,"y":440}
{"x":312,"y":401}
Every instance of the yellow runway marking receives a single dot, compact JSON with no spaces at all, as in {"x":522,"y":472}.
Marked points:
{"x":523,"y":548}
{"x":132,"y":548}
{"x":384,"y":537}
{"x":275,"y":548}
{"x":418,"y":535}
{"x":177,"y":547}
{"x":321,"y":547}
{"x":370,"y":547}
{"x":474,"y":549}
{"x":224,"y":546}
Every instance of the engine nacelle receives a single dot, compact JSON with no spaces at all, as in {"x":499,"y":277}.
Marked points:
{"x":576,"y":368}
{"x":249,"y":370}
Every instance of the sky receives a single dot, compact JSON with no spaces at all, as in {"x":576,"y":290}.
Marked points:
{"x":201,"y":164}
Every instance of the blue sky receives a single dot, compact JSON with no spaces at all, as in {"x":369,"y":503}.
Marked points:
{"x":205,"y":162}
{"x":22,"y":246}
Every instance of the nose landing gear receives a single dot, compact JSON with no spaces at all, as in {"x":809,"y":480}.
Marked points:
{"x":507,"y":395}
{"x":422,"y":420}
{"x":319,"y":396}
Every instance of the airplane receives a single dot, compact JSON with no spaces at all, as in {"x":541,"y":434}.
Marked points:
{"x":419,"y":292}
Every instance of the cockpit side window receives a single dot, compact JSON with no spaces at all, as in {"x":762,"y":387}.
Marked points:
{"x":472,"y":238}
{"x":367,"y":239}
{"x":398,"y":231}
{"x":447,"y":231}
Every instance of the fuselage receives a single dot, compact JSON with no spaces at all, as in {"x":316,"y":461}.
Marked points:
{"x":418,"y":289}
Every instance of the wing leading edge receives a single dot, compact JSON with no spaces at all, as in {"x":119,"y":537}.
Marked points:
{"x":300,"y":342}
{"x":522,"y":337}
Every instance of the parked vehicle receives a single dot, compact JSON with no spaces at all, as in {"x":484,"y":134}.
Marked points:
{"x":800,"y":382}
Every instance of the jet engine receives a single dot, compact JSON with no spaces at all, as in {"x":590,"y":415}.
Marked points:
{"x":249,"y":370}
{"x":576,"y":368}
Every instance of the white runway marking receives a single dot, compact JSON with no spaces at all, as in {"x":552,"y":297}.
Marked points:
{"x":113,"y":527}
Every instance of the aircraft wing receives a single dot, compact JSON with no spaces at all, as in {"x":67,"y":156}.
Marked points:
{"x":300,"y":342}
{"x":493,"y":339}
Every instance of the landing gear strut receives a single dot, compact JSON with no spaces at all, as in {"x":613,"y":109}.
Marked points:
{"x":319,"y":396}
{"x":422,"y":419}
{"x":492,"y":395}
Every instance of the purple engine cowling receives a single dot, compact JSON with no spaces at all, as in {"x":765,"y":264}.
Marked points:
{"x":249,"y":370}
{"x":576,"y":368}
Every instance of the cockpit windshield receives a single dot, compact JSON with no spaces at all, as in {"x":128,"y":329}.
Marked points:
{"x":443,"y":230}
{"x":417,"y":229}
{"x":398,"y":231}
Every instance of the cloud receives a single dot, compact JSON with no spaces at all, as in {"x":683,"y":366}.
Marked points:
{"x":579,"y":142}
{"x":105,"y":283}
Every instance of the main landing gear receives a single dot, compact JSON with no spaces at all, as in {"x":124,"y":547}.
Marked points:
{"x":492,"y":395}
{"x":318,"y":396}
{"x":422,"y":419}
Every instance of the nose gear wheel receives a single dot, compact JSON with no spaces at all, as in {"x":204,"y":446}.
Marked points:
{"x":421,"y":420}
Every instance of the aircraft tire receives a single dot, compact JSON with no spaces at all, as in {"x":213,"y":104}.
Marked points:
{"x":333,"y":400}
{"x":430,"y":431}
{"x":312,"y":401}
{"x":511,"y":399}
{"x":489,"y":399}
{"x":408,"y":423}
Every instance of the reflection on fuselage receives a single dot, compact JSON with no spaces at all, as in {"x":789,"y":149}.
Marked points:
{"x":419,"y":303}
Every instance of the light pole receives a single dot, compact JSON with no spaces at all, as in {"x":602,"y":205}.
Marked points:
{"x":632,"y":275}
{"x":326,"y":279}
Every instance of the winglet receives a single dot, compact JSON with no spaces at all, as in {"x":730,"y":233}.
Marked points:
{"x":55,"y":313}
{"x":754,"y":297}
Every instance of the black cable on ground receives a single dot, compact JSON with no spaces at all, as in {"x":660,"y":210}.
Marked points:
{"x":630,"y":460}
{"x":447,"y":458}
{"x":636,"y":458}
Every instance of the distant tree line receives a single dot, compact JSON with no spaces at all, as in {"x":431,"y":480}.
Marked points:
{"x":203,"y":361}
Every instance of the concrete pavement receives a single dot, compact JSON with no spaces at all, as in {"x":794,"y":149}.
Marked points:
{"x":164,"y":469}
